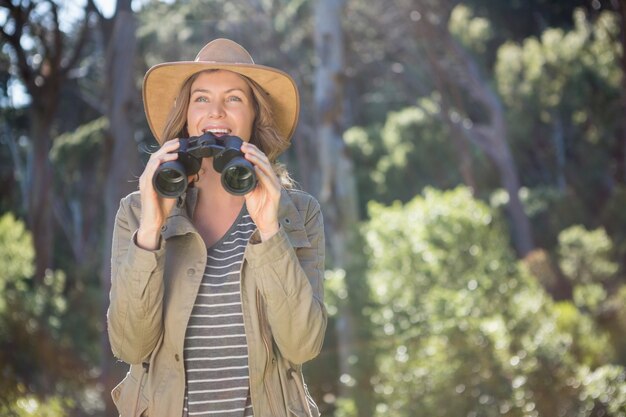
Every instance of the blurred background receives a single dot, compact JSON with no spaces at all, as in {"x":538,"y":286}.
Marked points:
{"x":469,"y":156}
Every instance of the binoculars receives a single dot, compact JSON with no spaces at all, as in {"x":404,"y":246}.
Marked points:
{"x":238,"y":177}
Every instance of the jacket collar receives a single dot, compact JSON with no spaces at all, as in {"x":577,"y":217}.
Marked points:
{"x":290,"y":219}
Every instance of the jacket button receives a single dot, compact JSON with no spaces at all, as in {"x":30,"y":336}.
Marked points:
{"x":191,"y":272}
{"x":177,"y":357}
{"x":163,"y":228}
{"x":287,"y":221}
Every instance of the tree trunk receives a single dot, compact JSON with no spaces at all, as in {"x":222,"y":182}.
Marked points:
{"x":122,"y":160}
{"x":558,"y":139}
{"x":39,"y":199}
{"x":462,"y":74}
{"x":522,"y":236}
{"x":622,"y":127}
{"x":337,"y":188}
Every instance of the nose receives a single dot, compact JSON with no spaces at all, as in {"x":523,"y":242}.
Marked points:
{"x":216,"y":109}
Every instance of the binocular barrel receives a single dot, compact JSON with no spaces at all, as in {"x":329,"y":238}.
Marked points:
{"x":170,"y":179}
{"x":237,"y":173}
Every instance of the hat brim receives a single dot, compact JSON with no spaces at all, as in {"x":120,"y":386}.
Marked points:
{"x":163,"y":82}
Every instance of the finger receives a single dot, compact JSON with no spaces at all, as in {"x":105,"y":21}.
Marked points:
{"x":168,"y":147}
{"x":249,"y":148}
{"x":259,"y":159}
{"x":171,"y":143}
{"x":248,"y":145}
{"x":269,"y":181}
{"x":156,"y":160}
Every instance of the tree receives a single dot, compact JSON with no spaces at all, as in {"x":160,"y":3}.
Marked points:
{"x":410,"y":151}
{"x":489,"y":130}
{"x":43,"y":68}
{"x":37,"y":360}
{"x":120,"y":156}
{"x":562,"y":95}
{"x":337,"y":193}
{"x":417,"y":56}
{"x":466,"y":330}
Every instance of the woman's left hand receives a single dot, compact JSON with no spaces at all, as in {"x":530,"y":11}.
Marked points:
{"x":262,"y":202}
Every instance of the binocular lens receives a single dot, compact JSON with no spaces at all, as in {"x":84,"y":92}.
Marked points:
{"x":170,"y":181}
{"x":239,"y":179}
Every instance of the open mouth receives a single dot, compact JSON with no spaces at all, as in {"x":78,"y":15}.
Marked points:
{"x":217,"y":131}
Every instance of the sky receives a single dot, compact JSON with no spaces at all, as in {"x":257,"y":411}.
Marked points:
{"x":107,"y":7}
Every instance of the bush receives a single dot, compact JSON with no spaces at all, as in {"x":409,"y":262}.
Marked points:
{"x":463,"y":328}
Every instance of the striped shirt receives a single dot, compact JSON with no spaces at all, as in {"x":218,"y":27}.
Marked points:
{"x":216,"y":352}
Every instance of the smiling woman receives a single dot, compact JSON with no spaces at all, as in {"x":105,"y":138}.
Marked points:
{"x":221,"y":103}
{"x":217,"y":298}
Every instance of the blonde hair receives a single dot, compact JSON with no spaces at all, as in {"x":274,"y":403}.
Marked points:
{"x":264,"y":133}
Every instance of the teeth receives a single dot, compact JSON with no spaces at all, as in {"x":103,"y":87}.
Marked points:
{"x":225,"y":131}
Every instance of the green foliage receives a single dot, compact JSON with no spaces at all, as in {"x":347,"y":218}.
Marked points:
{"x":77,"y":157}
{"x":170,"y":32}
{"x":366,"y":148}
{"x":334,"y":290}
{"x":474,"y":32}
{"x":614,"y":315}
{"x":562,"y":95}
{"x":346,"y":408}
{"x":590,"y":297}
{"x":416,"y":151}
{"x":521,"y":19}
{"x":29,"y":406}
{"x":410,"y":151}
{"x":613,"y":218}
{"x":604,"y":389}
{"x":16,"y":253}
{"x":454,"y":325}
{"x":586,"y":256}
{"x":75,"y":151}
{"x":78,"y":161}
{"x":36,"y":343}
{"x":589,"y":344}
{"x":463,"y":329}
{"x":551,"y":210}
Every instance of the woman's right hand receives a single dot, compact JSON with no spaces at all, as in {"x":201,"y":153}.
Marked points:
{"x":154,"y":208}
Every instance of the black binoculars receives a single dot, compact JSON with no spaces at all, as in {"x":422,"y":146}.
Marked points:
{"x":238,"y":177}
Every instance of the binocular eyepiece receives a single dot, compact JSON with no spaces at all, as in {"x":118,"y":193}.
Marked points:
{"x":238,"y":176}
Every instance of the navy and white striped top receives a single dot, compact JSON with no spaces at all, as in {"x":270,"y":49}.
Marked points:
{"x":216,"y":353}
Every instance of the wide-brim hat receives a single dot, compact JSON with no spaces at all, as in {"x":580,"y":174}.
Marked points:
{"x":163,"y":82}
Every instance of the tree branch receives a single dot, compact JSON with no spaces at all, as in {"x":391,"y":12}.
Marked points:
{"x":57,"y":42}
{"x":82,"y":38}
{"x":20,"y":19}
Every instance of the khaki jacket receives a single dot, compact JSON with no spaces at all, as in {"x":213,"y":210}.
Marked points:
{"x":153,"y":292}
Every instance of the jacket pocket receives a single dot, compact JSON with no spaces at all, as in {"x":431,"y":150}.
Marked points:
{"x":129,"y":397}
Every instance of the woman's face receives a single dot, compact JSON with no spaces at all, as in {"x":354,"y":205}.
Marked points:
{"x":221,"y":103}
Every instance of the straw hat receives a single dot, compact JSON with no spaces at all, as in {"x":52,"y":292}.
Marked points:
{"x":163,"y":82}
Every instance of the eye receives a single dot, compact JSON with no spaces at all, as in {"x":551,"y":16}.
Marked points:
{"x":201,"y":99}
{"x":233,"y":98}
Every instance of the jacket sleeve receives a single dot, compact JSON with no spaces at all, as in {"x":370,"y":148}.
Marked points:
{"x":291,"y":281}
{"x":134,"y":317}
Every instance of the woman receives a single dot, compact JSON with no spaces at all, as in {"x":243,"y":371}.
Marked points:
{"x":216,"y":299}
